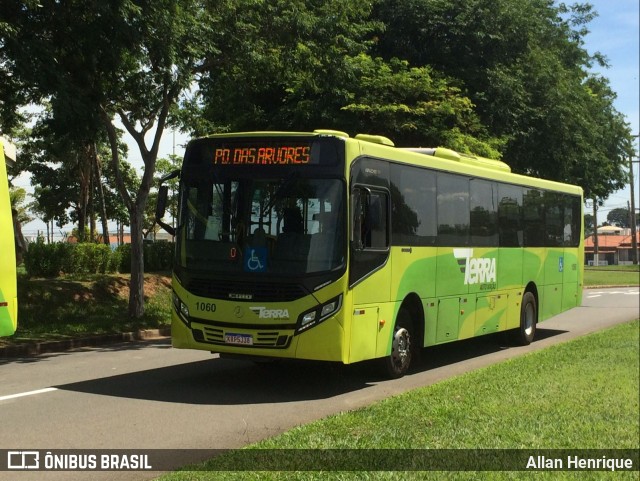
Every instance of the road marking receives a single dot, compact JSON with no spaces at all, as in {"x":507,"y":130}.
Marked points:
{"x":29,"y":393}
{"x":630,"y":292}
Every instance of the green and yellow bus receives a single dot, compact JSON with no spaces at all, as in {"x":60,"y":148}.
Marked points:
{"x":326,"y":247}
{"x":8,"y":289}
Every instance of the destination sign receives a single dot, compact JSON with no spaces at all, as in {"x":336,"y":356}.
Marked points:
{"x":284,"y":154}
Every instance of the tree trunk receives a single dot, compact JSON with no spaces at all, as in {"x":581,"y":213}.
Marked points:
{"x":84,"y":174}
{"x":103,"y":207}
{"x":136,"y":296}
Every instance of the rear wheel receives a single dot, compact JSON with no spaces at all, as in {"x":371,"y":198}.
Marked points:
{"x":397,"y":363}
{"x":524,"y":335}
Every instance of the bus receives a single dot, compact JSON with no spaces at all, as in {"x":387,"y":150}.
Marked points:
{"x":323,"y":246}
{"x":8,"y":288}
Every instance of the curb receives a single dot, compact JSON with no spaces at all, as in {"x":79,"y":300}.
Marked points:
{"x":33,"y":349}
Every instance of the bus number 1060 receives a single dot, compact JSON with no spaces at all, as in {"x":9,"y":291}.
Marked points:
{"x":205,"y":306}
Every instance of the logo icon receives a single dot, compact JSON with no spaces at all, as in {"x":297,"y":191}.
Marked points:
{"x":476,"y":270}
{"x":23,"y":460}
{"x":264,"y":313}
{"x":256,"y":259}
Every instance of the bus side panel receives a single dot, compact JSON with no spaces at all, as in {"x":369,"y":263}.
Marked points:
{"x":514,"y":300}
{"x":364,"y":332}
{"x":448,"y":319}
{"x":451,"y":267}
{"x":414,"y":272}
{"x":371,"y":304}
{"x":570,"y":280}
{"x":510,"y":276}
{"x":8,"y":289}
{"x":533,"y":268}
{"x":510,"y":268}
{"x":491,"y":313}
{"x":553,"y":274}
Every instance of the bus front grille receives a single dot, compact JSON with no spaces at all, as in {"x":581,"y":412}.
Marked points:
{"x":246,"y":291}
{"x":262,"y":339}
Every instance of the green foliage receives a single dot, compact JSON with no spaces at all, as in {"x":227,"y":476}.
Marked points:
{"x":283,"y":64}
{"x":621,"y":217}
{"x":523,"y":65}
{"x":499,"y":78}
{"x":79,"y":306}
{"x":158,"y":256}
{"x":17,"y":196}
{"x":414,"y":106}
{"x":52,"y":260}
{"x":614,"y":275}
{"x":45,"y":260}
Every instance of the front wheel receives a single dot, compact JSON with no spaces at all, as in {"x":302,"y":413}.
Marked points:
{"x":523,"y":336}
{"x":397,"y":363}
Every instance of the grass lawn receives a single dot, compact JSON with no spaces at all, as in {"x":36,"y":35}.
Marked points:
{"x":612,"y":275}
{"x":582,"y":394}
{"x":60,"y":308}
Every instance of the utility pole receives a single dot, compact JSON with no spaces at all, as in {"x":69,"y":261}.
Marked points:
{"x":595,"y":232}
{"x":634,"y":235}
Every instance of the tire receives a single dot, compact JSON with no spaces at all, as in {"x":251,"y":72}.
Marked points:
{"x":523,"y":336}
{"x":398,"y":362}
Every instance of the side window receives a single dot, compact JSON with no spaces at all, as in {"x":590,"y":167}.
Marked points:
{"x":369,"y":231}
{"x":370,"y":219}
{"x":554,"y":219}
{"x":413,"y":206}
{"x":484,"y":213}
{"x":533,"y":218}
{"x":572,"y":221}
{"x":510,"y":215}
{"x":453,"y":210}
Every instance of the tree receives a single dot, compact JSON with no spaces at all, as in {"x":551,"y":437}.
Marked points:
{"x":164,"y":43}
{"x":166,"y":166}
{"x":17,"y":197}
{"x":621,"y":217}
{"x":281,"y":64}
{"x":294,"y":65}
{"x":523,"y":65}
{"x":414,"y":106}
{"x":126,"y":59}
{"x":588,"y":225}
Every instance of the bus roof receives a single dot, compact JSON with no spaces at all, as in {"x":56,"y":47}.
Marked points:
{"x":438,"y":158}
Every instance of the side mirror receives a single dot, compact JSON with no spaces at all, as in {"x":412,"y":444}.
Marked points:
{"x":161,"y":205}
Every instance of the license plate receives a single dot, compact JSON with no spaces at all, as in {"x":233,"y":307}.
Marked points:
{"x":242,"y":339}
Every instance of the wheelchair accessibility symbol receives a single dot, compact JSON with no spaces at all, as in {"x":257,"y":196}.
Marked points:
{"x":255,"y":259}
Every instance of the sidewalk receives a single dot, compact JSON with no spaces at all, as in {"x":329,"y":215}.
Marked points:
{"x":31,"y":349}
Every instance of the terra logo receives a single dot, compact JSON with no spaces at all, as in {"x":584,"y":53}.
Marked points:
{"x":264,"y":313}
{"x":476,"y":270}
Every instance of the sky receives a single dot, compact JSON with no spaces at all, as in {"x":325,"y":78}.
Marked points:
{"x":615,"y":33}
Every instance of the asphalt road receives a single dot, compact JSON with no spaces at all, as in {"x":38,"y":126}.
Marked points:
{"x":150,"y":396}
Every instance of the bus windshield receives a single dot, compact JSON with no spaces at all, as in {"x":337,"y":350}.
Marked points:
{"x":291,"y":225}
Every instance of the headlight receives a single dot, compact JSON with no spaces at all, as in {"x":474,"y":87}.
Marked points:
{"x":329,"y":308}
{"x":181,"y":308}
{"x":318,"y":314}
{"x":308,"y":317}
